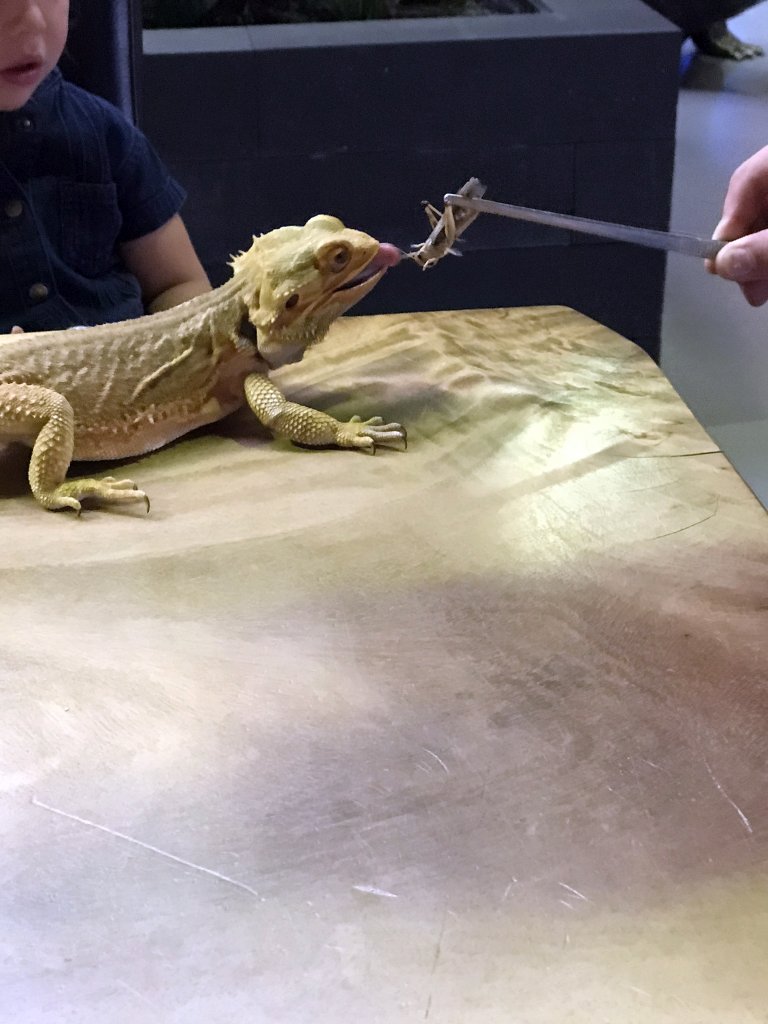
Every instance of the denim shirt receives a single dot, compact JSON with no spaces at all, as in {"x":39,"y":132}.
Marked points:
{"x":76,"y":180}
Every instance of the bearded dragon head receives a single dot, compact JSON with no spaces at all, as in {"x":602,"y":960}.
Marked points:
{"x":297,"y":280}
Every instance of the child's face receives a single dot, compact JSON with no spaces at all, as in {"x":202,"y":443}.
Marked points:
{"x":32,"y":37}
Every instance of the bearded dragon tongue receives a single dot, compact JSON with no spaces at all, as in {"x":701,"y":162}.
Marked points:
{"x":388,"y":255}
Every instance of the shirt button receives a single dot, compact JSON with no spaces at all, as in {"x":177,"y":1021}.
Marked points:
{"x":14,"y":208}
{"x":38,"y":292}
{"x":25,"y":124}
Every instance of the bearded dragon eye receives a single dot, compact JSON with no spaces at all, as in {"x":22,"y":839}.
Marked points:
{"x":340,"y":258}
{"x":291,"y":302}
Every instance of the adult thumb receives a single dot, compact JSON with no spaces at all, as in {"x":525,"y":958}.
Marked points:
{"x":745,"y":259}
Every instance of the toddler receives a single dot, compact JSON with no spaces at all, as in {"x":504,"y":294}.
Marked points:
{"x":90,"y":230}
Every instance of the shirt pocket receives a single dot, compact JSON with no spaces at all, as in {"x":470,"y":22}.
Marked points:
{"x":90,"y":223}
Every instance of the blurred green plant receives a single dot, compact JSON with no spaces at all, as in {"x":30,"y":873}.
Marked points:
{"x":174,"y":13}
{"x":195,"y":13}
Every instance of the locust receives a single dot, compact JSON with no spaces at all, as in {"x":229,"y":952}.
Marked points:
{"x":447,"y":227}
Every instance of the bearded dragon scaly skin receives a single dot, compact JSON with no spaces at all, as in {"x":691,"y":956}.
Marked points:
{"x":125,"y":389}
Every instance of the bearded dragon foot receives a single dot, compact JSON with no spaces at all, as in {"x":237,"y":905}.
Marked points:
{"x":366,"y":434}
{"x":312,"y":427}
{"x":107,"y":491}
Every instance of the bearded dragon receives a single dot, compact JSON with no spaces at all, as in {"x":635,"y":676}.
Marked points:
{"x":124,"y":389}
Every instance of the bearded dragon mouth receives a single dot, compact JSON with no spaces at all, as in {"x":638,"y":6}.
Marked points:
{"x":361,"y":278}
{"x":387,"y":256}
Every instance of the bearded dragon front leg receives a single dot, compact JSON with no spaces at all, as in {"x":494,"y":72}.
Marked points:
{"x":43,"y":418}
{"x":309,"y":426}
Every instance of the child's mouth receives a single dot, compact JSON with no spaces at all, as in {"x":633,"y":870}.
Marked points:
{"x":24,"y":73}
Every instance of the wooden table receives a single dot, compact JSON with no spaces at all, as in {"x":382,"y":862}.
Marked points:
{"x":470,"y":734}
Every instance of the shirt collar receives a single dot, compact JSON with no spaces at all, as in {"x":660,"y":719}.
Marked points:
{"x":44,"y":96}
{"x":37,"y":107}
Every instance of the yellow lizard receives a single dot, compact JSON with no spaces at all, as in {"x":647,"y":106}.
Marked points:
{"x":124,"y":389}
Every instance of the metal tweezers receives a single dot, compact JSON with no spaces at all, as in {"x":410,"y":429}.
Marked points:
{"x":689,"y":245}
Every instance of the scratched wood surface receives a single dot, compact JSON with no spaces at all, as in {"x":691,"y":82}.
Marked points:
{"x":467,"y":734}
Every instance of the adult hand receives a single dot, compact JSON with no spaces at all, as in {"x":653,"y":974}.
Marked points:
{"x":744,"y":225}
{"x":17,"y":330}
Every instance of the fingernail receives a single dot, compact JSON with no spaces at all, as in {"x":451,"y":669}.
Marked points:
{"x":738,"y":264}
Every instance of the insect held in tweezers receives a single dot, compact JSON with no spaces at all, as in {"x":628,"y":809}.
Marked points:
{"x":447,"y":227}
